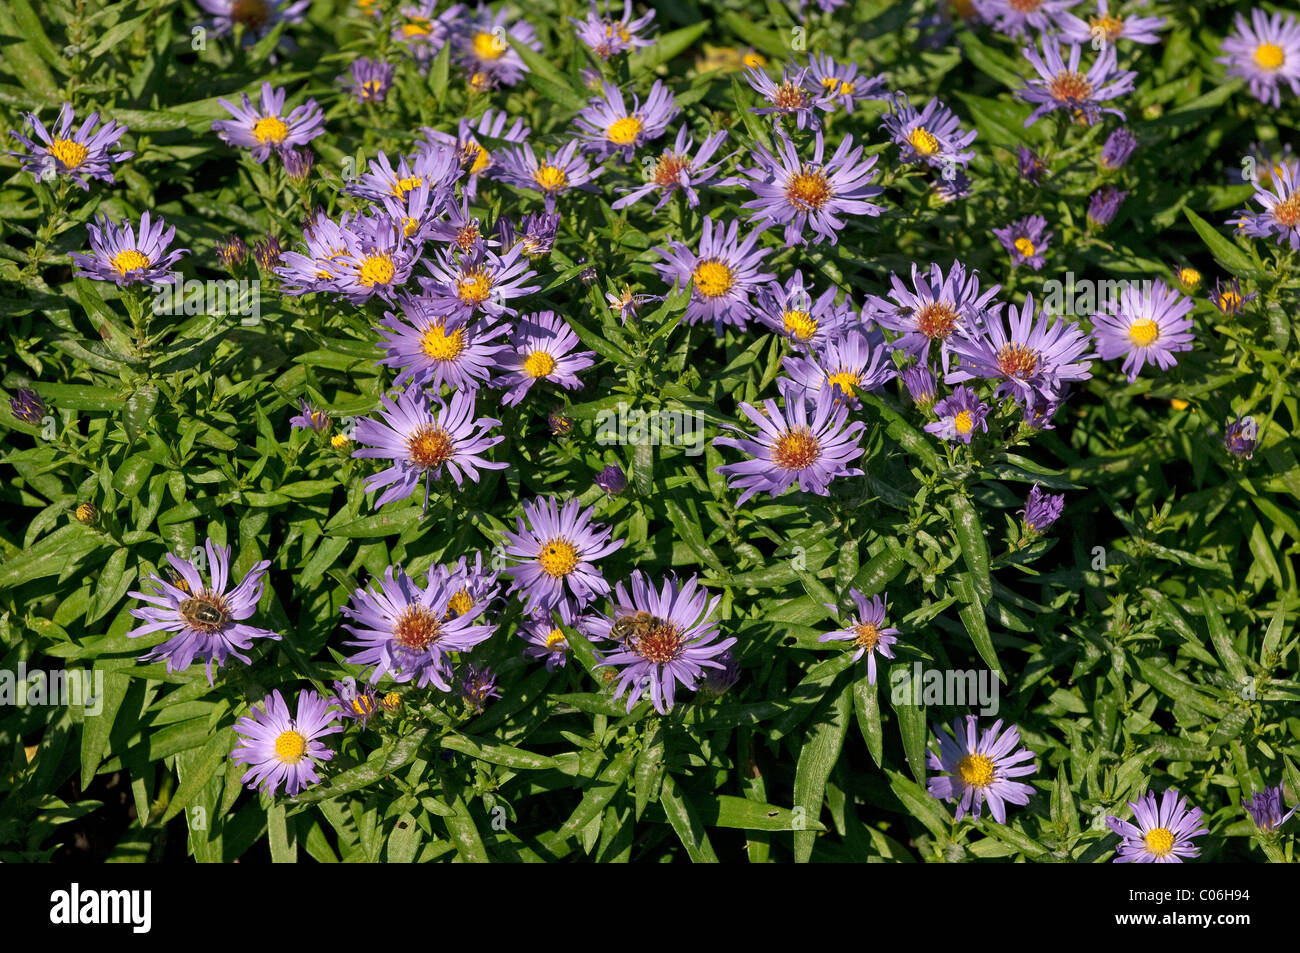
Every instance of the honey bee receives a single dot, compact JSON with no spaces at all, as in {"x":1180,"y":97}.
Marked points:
{"x":203,"y":613}
{"x":629,"y":628}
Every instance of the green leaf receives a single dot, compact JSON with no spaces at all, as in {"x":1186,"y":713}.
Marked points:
{"x":974,"y":548}
{"x":686,"y":822}
{"x":821,"y":749}
{"x":1225,"y":252}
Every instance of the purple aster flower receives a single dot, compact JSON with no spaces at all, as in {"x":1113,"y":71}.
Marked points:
{"x":1241,"y":437}
{"x":541,"y":348}
{"x":607,"y":127}
{"x":960,"y":415}
{"x":933,"y":136}
{"x":1015,"y":17}
{"x":267,"y":253}
{"x":1265,"y":809}
{"x":553,"y":175}
{"x":298,"y":164}
{"x":1228,"y":298}
{"x":1281,"y":203}
{"x":676,"y":169}
{"x":1266,"y":53}
{"x":1041,"y":509}
{"x":368,"y":80}
{"x":233,"y":252}
{"x":558,"y":548}
{"x":537,"y":232}
{"x":665,"y":638}
{"x":485,"y":47}
{"x":311,"y":417}
{"x":278,"y":747}
{"x":545,"y":639}
{"x":979,"y":768}
{"x":355,"y":704}
{"x":937,"y":307}
{"x":1163,"y":834}
{"x":1030,"y":165}
{"x":612,"y":480}
{"x":26,"y":405}
{"x":126,"y":255}
{"x":258,"y":17}
{"x":471,"y":586}
{"x":723,"y":274}
{"x":789,"y":448}
{"x":415,"y":216}
{"x":1103,"y":205}
{"x":82,"y":154}
{"x":840,"y":84}
{"x":791,"y":311}
{"x":476,"y":159}
{"x":208,"y":620}
{"x":477,"y":685}
{"x":866,"y":631}
{"x":1109,"y":27}
{"x":921,"y":385}
{"x":607,"y":37}
{"x":421,"y":441}
{"x":267,"y":128}
{"x":378,"y":261}
{"x":1146,"y":326}
{"x":407,"y":632}
{"x":479,"y":281}
{"x":852,"y":362}
{"x":439,"y":168}
{"x":791,"y":98}
{"x":1026,"y":241}
{"x":424,"y":34}
{"x":327,"y":243}
{"x":800,"y":194}
{"x":1118,"y":148}
{"x":1032,"y":354}
{"x":1060,"y":85}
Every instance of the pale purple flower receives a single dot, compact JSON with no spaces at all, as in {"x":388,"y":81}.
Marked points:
{"x":282,"y":748}
{"x":1163,"y":832}
{"x":81,"y":154}
{"x":979,"y":768}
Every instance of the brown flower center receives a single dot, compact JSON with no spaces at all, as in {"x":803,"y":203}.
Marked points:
{"x":416,"y":629}
{"x":430,"y":446}
{"x":936,"y":320}
{"x":1070,"y":86}
{"x":1016,"y":360}
{"x":796,"y":449}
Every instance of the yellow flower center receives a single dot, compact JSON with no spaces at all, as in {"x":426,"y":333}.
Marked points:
{"x":964,"y":422}
{"x":800,"y":325}
{"x":129,"y":260}
{"x":479,"y":81}
{"x":362,"y":705}
{"x":1025,"y":247}
{"x":474,"y":287}
{"x":482,"y":158}
{"x":830,"y":84}
{"x":290,"y":747}
{"x":85,"y":513}
{"x":68,"y":151}
{"x":866,"y":635}
{"x":461,"y":602}
{"x":796,"y":449}
{"x":923,"y":141}
{"x":809,"y":188}
{"x":430,"y":446}
{"x":539,"y":364}
{"x":371,"y":89}
{"x":402,"y":186}
{"x":555,"y":640}
{"x":1070,"y":86}
{"x":438,"y":345}
{"x":623,"y":132}
{"x":410,"y":226}
{"x":712,"y":278}
{"x":1190,"y":277}
{"x":418,"y":26}
{"x":1178,"y":404}
{"x":845,"y":381}
{"x":551,"y":178}
{"x":1160,"y":841}
{"x":1107,"y":26}
{"x":416,"y":629}
{"x":754,"y":60}
{"x":1287,"y":212}
{"x":976,"y":770}
{"x":1269,"y":56}
{"x":1229,"y":301}
{"x":558,"y":558}
{"x":1143,"y":331}
{"x":270,"y":129}
{"x":376,"y":270}
{"x":489,"y":46}
{"x":338,"y":441}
